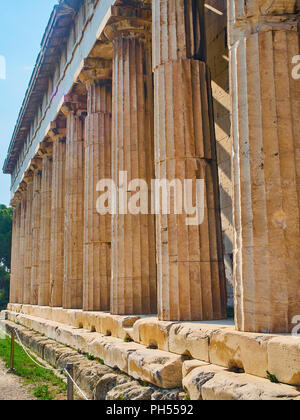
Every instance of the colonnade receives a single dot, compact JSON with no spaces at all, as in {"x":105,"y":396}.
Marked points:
{"x":153,"y":117}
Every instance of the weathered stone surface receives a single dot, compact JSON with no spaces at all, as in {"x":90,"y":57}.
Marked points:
{"x":284,"y":359}
{"x":195,"y":380}
{"x":241,"y":351}
{"x":118,"y":326}
{"x":130,"y":391}
{"x":167,"y":395}
{"x":114,"y":352}
{"x":230,"y":386}
{"x":88,"y":375}
{"x":157,"y":367}
{"x":107,"y":383}
{"x":152,"y":333}
{"x":190,"y":365}
{"x":192,"y":339}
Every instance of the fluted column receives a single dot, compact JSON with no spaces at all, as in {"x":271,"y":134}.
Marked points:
{"x":45,"y":230}
{"x":22,"y":228}
{"x":28,"y":240}
{"x":74,"y":199}
{"x":191,"y":278}
{"x":36,"y":223}
{"x":133,"y":238}
{"x":14,"y":275}
{"x":266,"y":136}
{"x":58,"y":137}
{"x":97,"y":228}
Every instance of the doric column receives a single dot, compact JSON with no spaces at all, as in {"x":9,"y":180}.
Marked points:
{"x":14,"y":275}
{"x":74,"y":199}
{"x":28,"y":239}
{"x":191,"y":278}
{"x":45,"y":228}
{"x":14,"y":250}
{"x":36,"y":223}
{"x":264,"y":40}
{"x":57,"y":135}
{"x":133,"y":237}
{"x":21,"y":270}
{"x":97,"y":228}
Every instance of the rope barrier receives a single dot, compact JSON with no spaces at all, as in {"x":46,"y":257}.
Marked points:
{"x":77,"y":387}
{"x":44,"y":367}
{"x":26,"y":352}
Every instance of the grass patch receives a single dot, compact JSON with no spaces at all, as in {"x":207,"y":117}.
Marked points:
{"x":46,"y":386}
{"x":272,"y":378}
{"x":42,"y":393}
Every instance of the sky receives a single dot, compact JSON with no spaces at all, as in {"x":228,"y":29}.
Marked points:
{"x":22,"y":25}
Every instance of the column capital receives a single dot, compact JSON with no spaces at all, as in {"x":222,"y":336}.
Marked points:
{"x":178,"y":31}
{"x":56,"y":132}
{"x":45,"y":149}
{"x":96,"y":69}
{"x":35,"y":164}
{"x":102,"y":49}
{"x":252,"y":8}
{"x":255,"y":16}
{"x":16,"y":200}
{"x":22,"y":188}
{"x":28,"y":177}
{"x":74,"y":104}
{"x":130,"y":22}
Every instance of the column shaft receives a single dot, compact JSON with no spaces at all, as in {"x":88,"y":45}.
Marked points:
{"x":191,"y":274}
{"x":18,"y":251}
{"x":58,"y":223}
{"x":14,"y":256}
{"x":36,"y":222}
{"x":74,"y":197}
{"x":133,"y":237}
{"x":97,"y":228}
{"x":266,"y":135}
{"x":28,"y":244}
{"x":45,"y":233}
{"x":20,"y":291}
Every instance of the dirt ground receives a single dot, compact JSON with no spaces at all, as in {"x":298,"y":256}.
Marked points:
{"x":12,"y":388}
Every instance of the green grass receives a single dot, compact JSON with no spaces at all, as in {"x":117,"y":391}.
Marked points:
{"x":272,"y":378}
{"x":46,"y":386}
{"x":42,"y":393}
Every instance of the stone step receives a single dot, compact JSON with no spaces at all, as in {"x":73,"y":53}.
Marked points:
{"x":163,"y":369}
{"x":212,"y":342}
{"x":101,"y":322}
{"x":213,"y":383}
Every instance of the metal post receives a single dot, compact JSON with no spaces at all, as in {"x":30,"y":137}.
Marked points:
{"x":70,"y":389}
{"x":12,"y":352}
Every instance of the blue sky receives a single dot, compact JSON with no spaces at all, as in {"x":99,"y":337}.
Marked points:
{"x":22,"y":24}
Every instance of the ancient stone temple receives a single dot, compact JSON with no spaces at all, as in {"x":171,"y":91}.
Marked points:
{"x":157,"y":90}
